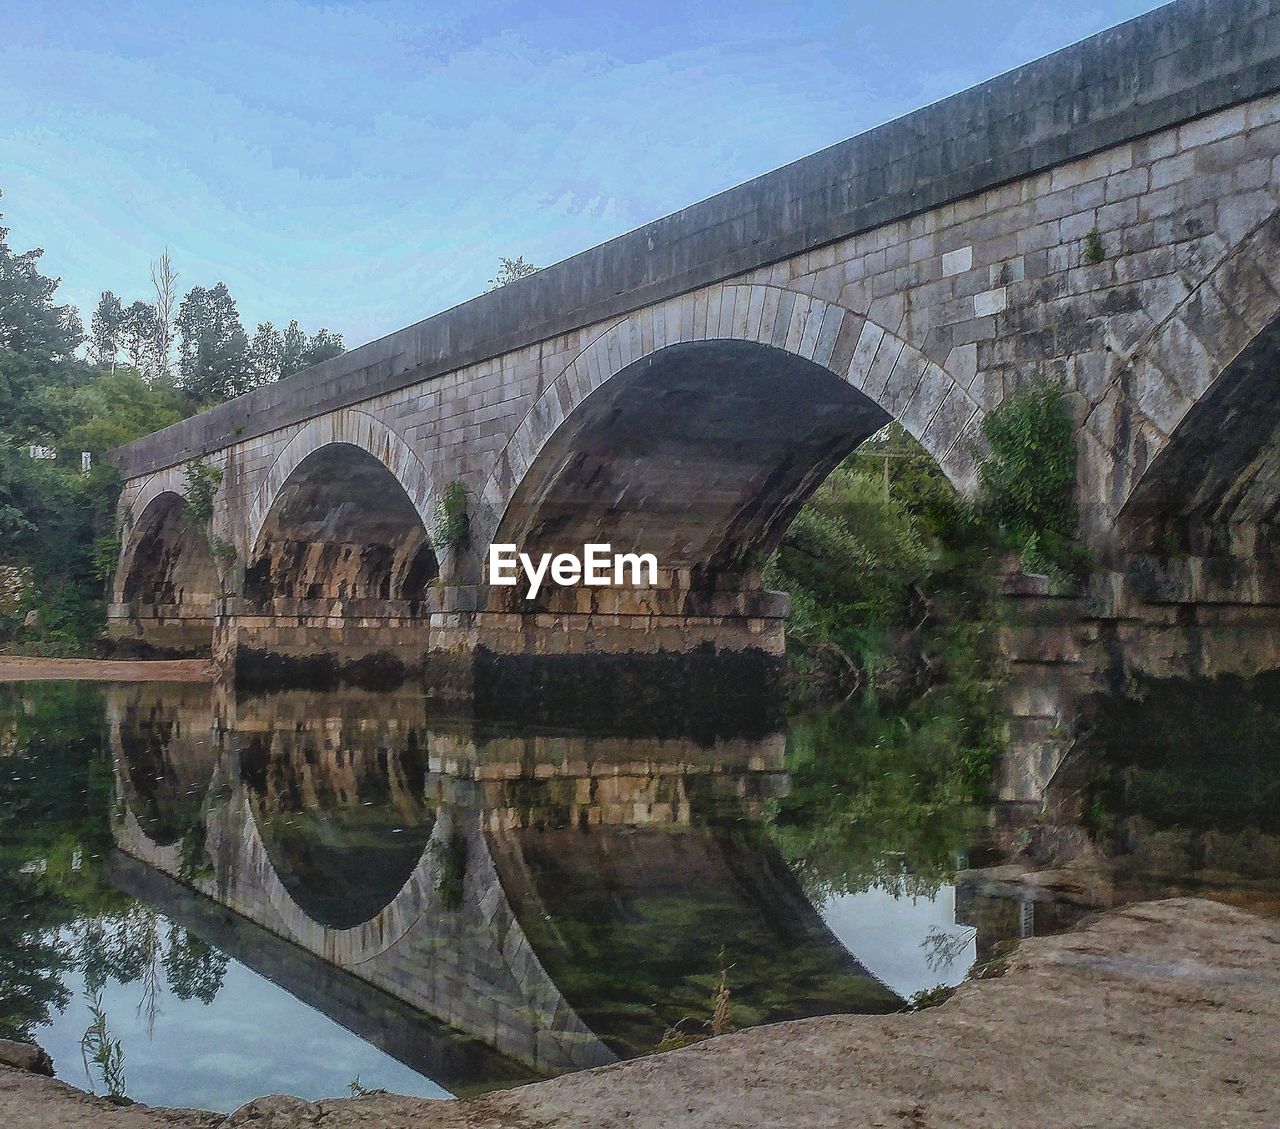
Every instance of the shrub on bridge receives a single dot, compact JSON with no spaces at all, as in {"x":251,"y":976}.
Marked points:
{"x":1028,"y":481}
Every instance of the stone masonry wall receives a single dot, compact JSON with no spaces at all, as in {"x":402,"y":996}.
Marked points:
{"x":940,"y":316}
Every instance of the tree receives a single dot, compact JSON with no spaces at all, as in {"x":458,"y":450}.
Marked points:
{"x":118,"y":407}
{"x":37,"y":341}
{"x":194,"y":969}
{"x":164,"y":280}
{"x":321,"y":347}
{"x":138,"y":334}
{"x":105,"y":328}
{"x":293,"y":350}
{"x":266,"y":354}
{"x":1028,"y":481}
{"x":29,"y":321}
{"x":213,"y":350}
{"x":511,"y":270}
{"x":274,"y":355}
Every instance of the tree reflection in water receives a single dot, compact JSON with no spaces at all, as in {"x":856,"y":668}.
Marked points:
{"x":59,"y":914}
{"x":878,"y":798}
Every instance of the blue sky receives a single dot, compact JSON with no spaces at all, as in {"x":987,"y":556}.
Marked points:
{"x":363,"y":165}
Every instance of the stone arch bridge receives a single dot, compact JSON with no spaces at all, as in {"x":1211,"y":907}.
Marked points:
{"x":1108,"y":217}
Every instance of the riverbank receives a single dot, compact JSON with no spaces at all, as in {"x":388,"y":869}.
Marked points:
{"x":24,"y":668}
{"x":1154,"y":1015}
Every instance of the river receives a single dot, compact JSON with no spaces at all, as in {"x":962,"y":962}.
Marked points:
{"x":208,"y":896}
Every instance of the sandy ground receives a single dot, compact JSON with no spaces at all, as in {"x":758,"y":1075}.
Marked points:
{"x":20,"y":668}
{"x":1164,"y":1014}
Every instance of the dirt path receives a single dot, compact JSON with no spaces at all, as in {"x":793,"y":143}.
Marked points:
{"x":1155,"y":1015}
{"x":21,"y":668}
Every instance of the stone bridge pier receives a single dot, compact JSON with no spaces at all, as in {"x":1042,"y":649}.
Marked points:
{"x":1107,"y":217}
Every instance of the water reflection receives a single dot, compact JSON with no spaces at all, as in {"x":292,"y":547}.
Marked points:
{"x":337,"y":789}
{"x":1173,"y":790}
{"x":482,"y":905}
{"x":565,"y":899}
{"x":177,"y":1018}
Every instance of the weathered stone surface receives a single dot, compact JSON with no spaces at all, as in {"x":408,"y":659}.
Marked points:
{"x":276,"y":1111}
{"x":25,"y":1056}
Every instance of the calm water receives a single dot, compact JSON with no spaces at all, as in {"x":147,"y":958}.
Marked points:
{"x":206,"y":897}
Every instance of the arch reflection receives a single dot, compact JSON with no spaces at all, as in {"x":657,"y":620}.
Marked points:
{"x":565,"y":899}
{"x":337,"y":795}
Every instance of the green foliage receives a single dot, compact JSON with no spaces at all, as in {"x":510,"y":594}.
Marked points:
{"x":274,"y":355}
{"x":850,"y":560}
{"x":138,"y":334}
{"x":105,"y":327}
{"x":876,"y":547}
{"x":201,"y":481}
{"x":453,"y":523}
{"x":193,"y":855}
{"x":926,"y":998}
{"x":213,"y":350}
{"x":52,"y":518}
{"x":53,"y":521}
{"x":888,"y":565}
{"x":1028,"y":480}
{"x":116,"y":407}
{"x":97,"y":1047}
{"x":881,"y":795}
{"x":511,"y":270}
{"x":31,"y":959}
{"x":106,"y":552}
{"x":37,"y":340}
{"x":200,"y":486}
{"x":676,"y":1037}
{"x":224,"y":554}
{"x":56,"y":796}
{"x":1094,"y":251}
{"x":194,"y":969}
{"x":450,"y":857}
{"x":51,"y":804}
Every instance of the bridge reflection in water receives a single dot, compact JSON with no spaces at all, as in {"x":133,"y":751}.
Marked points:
{"x":480,"y":905}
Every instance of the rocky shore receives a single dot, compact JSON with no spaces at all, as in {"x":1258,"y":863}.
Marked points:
{"x":1166,"y":1013}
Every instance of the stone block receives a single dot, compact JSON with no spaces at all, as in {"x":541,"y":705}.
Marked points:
{"x":957,"y":261}
{"x":990,"y":301}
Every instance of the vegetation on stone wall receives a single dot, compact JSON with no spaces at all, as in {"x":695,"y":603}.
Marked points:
{"x":1028,"y":481}
{"x":511,"y":270}
{"x":453,"y":522}
{"x":200,"y":483}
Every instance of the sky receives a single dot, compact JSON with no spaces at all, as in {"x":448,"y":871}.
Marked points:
{"x":363,"y":165}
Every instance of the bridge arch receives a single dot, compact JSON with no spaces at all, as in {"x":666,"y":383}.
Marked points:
{"x":166,"y":565}
{"x":356,"y":429}
{"x":344,"y":512}
{"x":1189,"y":422}
{"x":809,"y":379}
